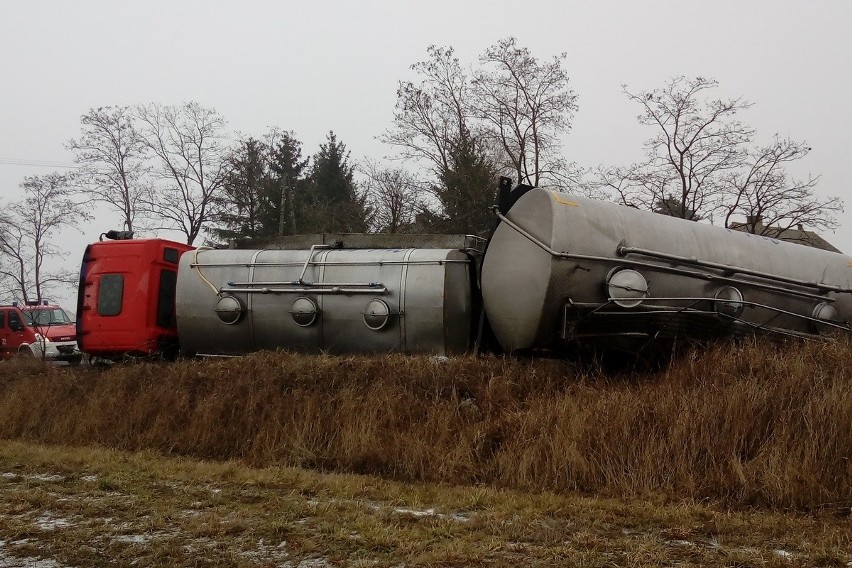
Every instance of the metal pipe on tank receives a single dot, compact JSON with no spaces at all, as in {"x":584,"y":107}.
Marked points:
{"x":674,"y":270}
{"x":624,"y":250}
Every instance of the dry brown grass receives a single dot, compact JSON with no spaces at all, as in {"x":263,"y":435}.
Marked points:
{"x":752,"y":424}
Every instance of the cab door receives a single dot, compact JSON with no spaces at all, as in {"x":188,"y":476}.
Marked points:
{"x":4,"y":336}
{"x":13,"y":332}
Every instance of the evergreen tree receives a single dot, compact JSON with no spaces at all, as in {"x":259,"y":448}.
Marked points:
{"x":243,"y":209}
{"x":287,"y":192}
{"x":467,"y":190}
{"x":334,"y":204}
{"x":673,"y":207}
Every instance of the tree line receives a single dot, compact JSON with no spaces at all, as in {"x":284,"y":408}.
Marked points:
{"x":455,"y":129}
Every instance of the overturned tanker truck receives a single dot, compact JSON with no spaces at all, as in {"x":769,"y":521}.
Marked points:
{"x":559,"y":272}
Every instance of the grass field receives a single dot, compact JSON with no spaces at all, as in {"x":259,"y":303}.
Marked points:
{"x":734,"y":455}
{"x":89,"y":507}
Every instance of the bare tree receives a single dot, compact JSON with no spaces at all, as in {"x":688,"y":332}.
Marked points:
{"x":395,"y":197}
{"x":699,"y":142}
{"x":701,"y":164}
{"x":190,"y":144}
{"x":111,"y":153}
{"x":433,"y":115}
{"x":29,"y":227}
{"x":525,"y":106}
{"x":511,"y":106}
{"x":771,"y":200}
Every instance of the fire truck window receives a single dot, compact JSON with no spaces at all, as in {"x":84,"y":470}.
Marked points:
{"x":166,"y":299}
{"x":171,"y":255}
{"x":2,"y":320}
{"x":110,"y":294}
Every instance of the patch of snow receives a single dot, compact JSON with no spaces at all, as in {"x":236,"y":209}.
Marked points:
{"x":132,"y":538}
{"x":265,"y":551}
{"x":430,"y":513}
{"x":47,"y":522}
{"x":11,"y":561}
{"x":49,"y":477}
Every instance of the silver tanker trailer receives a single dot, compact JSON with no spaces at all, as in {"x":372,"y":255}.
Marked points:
{"x":230,"y":302}
{"x":562,"y":270}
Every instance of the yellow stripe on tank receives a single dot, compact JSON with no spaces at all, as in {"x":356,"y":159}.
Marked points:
{"x":559,"y":199}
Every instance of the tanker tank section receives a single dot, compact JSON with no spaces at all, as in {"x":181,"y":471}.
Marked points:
{"x":562,"y":270}
{"x":231,"y":302}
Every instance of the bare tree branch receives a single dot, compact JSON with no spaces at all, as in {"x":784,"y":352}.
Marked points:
{"x":189,"y":141}
{"x":525,"y":105}
{"x":111,"y":153}
{"x":698,"y":142}
{"x":432,"y":115}
{"x":771,"y":200}
{"x":395,"y":197}
{"x":29,"y":227}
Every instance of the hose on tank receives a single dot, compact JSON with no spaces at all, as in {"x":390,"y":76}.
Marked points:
{"x":201,"y":274}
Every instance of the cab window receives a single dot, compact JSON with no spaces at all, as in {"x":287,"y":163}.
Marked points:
{"x":2,"y":319}
{"x":166,"y":299}
{"x":15,"y":323}
{"x":110,"y":294}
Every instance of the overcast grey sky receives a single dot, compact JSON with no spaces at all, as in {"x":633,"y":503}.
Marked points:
{"x":315,"y":66}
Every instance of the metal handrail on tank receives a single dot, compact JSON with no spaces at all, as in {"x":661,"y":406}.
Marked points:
{"x":318,"y":289}
{"x":338,"y":263}
{"x":597,"y":310}
{"x":624,"y":250}
{"x":671,"y":269}
{"x":300,"y":285}
{"x":308,"y":261}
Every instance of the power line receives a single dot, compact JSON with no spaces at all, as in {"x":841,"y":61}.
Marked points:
{"x":36,"y":163}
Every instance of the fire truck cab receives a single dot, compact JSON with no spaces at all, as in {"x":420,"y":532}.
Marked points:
{"x":126,"y":297}
{"x":38,"y":329}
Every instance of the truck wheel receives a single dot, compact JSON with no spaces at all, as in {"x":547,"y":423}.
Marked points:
{"x":74,"y":361}
{"x":25,"y":351}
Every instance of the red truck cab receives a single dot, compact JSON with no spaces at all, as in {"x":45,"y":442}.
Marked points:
{"x":38,"y":329}
{"x":126,"y":298}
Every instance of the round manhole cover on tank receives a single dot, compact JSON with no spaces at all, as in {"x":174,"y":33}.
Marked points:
{"x":229,"y":309}
{"x":304,"y":311}
{"x":376,"y":314}
{"x":729,"y":301}
{"x":626,"y":287}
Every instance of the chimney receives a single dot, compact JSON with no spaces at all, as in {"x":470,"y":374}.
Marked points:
{"x":800,"y":226}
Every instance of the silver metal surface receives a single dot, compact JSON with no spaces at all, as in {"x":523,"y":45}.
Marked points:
{"x":553,"y":250}
{"x":322,"y":299}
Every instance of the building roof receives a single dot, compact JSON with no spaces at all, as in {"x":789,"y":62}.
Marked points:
{"x":796,"y":234}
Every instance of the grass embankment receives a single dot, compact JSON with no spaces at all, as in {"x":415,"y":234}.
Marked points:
{"x":744,"y":425}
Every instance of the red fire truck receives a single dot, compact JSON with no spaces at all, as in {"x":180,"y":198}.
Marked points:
{"x":38,"y":329}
